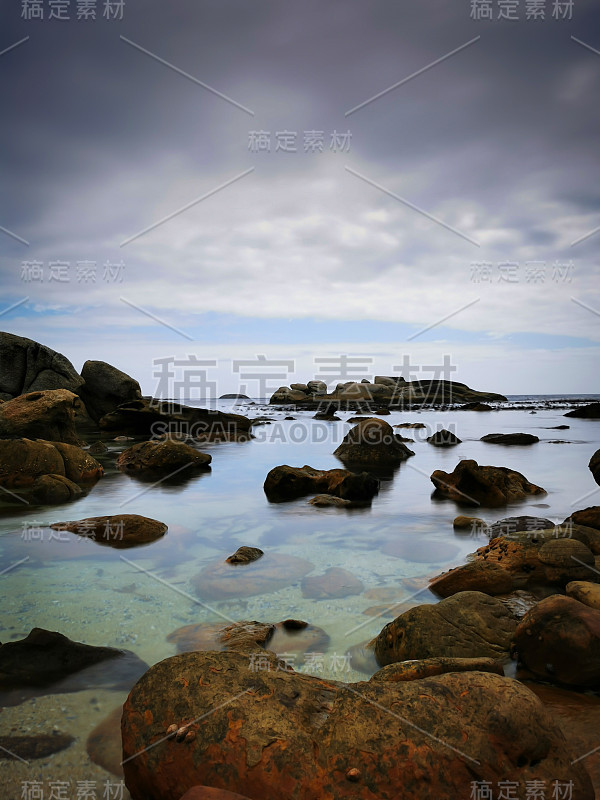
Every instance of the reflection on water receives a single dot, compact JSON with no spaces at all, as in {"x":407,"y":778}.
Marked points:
{"x":94,"y":594}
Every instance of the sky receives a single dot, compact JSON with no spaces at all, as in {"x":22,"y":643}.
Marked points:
{"x":405,"y":184}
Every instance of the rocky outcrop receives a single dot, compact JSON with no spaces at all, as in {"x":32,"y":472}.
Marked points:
{"x":288,"y":483}
{"x":26,"y":366}
{"x":559,"y":641}
{"x":427,"y":667}
{"x":443,"y":438}
{"x":476,"y":576}
{"x":46,"y":415}
{"x":148,"y":417}
{"x":207,"y":719}
{"x":474,"y":485}
{"x":590,"y":411}
{"x":466,"y":625}
{"x":372,"y":444}
{"x":106,"y":387}
{"x":119,"y":530}
{"x":46,"y":472}
{"x":510,"y":438}
{"x":154,"y":459}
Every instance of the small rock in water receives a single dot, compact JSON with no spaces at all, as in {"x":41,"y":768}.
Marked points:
{"x":244,"y":555}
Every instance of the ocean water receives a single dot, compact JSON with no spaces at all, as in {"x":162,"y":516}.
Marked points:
{"x":135,"y":598}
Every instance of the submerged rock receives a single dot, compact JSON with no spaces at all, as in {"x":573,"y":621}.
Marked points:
{"x":510,"y":438}
{"x":466,"y":625}
{"x":559,"y":641}
{"x":118,"y":530}
{"x":279,"y":734}
{"x":103,"y":745}
{"x":334,"y":583}
{"x":474,"y":485}
{"x":273,"y":571}
{"x":372,"y":443}
{"x":48,"y":415}
{"x":288,"y":483}
{"x":427,"y":667}
{"x":29,"y":748}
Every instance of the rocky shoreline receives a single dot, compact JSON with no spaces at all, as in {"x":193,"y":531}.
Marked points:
{"x":455,"y":699}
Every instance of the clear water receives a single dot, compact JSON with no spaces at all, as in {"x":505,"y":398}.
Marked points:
{"x":92,"y":594}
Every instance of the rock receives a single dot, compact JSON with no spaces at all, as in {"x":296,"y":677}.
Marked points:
{"x":210,"y":793}
{"x":382,"y":412}
{"x":244,"y":555}
{"x":510,"y":438}
{"x":427,"y":667}
{"x":149,"y":417}
{"x":372,"y":443}
{"x":334,"y":583}
{"x":471,"y":484}
{"x":477,"y":576}
{"x":300,"y":387}
{"x":97,"y":448}
{"x":279,"y":734}
{"x":475,"y":407}
{"x":327,"y":500}
{"x":474,"y":523}
{"x":273,"y":571}
{"x":234,"y":397}
{"x":48,"y":415}
{"x":26,"y":366}
{"x":466,"y":625}
{"x":559,"y":641}
{"x":290,"y":639}
{"x":285,"y":396}
{"x":45,"y":657}
{"x":46,"y":470}
{"x":589,"y":517}
{"x":152,"y":459}
{"x":594,"y":466}
{"x":33,"y":747}
{"x":508,"y":525}
{"x":316,"y":387}
{"x":411,"y":425}
{"x":586,"y":592}
{"x":288,"y":483}
{"x":444,"y":438}
{"x":591,"y":411}
{"x":119,"y":530}
{"x":103,"y":745}
{"x":566,"y":560}
{"x":106,"y":388}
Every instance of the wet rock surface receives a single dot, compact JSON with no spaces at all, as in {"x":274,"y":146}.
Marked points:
{"x":153,"y":459}
{"x":118,"y":530}
{"x":245,"y":555}
{"x":427,"y":667}
{"x":106,"y":387}
{"x":510,"y":438}
{"x":271,"y":572}
{"x":474,"y":485}
{"x":288,"y":483}
{"x":278,"y":734}
{"x":335,"y":582}
{"x":34,"y":747}
{"x":372,"y":443}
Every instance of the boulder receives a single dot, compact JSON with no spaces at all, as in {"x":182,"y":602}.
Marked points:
{"x":219,"y":580}
{"x":119,"y":530}
{"x":476,"y":576}
{"x":508,"y":525}
{"x":316,"y":387}
{"x":465,"y":625}
{"x":427,"y":667}
{"x":586,"y":592}
{"x":285,"y":396}
{"x":444,"y":438}
{"x":590,"y":411}
{"x":46,"y":415}
{"x":474,"y":485}
{"x":475,"y":406}
{"x":288,"y":483}
{"x":590,"y":517}
{"x":372,"y":443}
{"x":153,"y":459}
{"x":411,"y":425}
{"x":46,"y":472}
{"x":29,"y":748}
{"x":559,"y":641}
{"x":206,"y":719}
{"x":594,"y":466}
{"x":26,"y":366}
{"x":565,"y":560}
{"x":334,"y":583}
{"x":106,"y":387}
{"x":329,"y":500}
{"x":149,"y":417}
{"x":103,"y":745}
{"x":245,"y":555}
{"x":475,"y":524}
{"x":510,"y":438}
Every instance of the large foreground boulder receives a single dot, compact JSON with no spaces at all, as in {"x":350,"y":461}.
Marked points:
{"x":26,"y":366}
{"x":46,"y":472}
{"x":474,"y":485}
{"x":271,"y":734}
{"x":42,"y":415}
{"x":372,"y":444}
{"x":153,"y":459}
{"x":466,"y":625}
{"x":559,"y":641}
{"x":106,"y":387}
{"x":288,"y":483}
